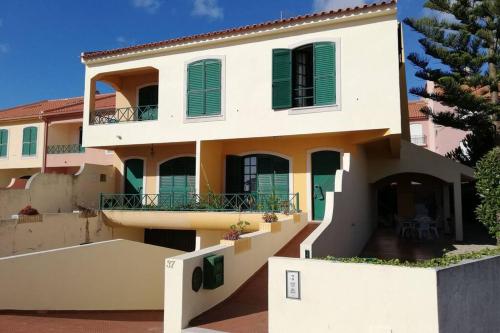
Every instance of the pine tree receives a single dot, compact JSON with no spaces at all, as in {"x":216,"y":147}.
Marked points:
{"x":464,"y":37}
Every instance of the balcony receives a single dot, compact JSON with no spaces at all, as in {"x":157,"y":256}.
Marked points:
{"x":65,"y":149}
{"x":419,"y":140}
{"x":210,"y":202}
{"x":126,"y":114}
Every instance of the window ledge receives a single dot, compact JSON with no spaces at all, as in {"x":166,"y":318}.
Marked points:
{"x":124,"y":122}
{"x":313,"y":109}
{"x":201,"y":119}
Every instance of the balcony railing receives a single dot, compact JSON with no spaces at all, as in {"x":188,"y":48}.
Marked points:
{"x":120,"y":115}
{"x":419,"y":140}
{"x":65,"y":149}
{"x":221,"y":202}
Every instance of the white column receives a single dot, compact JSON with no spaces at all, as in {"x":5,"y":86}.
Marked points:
{"x":198,"y":166}
{"x":446,"y":208}
{"x":457,"y":200}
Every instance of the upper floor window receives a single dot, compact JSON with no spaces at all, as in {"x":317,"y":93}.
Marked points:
{"x":305,"y":76}
{"x":147,"y":103}
{"x":204,"y":88}
{"x":4,"y":140}
{"x":29,"y":141}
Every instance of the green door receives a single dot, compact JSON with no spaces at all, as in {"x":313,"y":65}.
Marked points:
{"x":324,"y":165}
{"x":148,"y":103}
{"x":134,"y":173}
{"x":177,"y":182}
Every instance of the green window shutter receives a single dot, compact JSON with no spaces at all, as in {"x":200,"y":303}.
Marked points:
{"x":282,"y":78}
{"x":212,"y":87}
{"x":196,"y":85}
{"x":324,"y":73}
{"x":265,"y":174}
{"x":4,"y":139}
{"x":280,"y":182}
{"x":26,"y":141}
{"x":33,"y":140}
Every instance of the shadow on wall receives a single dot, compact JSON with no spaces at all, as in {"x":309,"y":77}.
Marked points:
{"x":56,"y":193}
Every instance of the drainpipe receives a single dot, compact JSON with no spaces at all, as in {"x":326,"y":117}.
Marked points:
{"x":45,"y":139}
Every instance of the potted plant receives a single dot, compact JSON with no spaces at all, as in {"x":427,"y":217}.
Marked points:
{"x":232,"y":237}
{"x":29,"y":214}
{"x":271,"y":223}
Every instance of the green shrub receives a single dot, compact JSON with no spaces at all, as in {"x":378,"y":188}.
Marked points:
{"x":488,"y":188}
{"x":445,"y":260}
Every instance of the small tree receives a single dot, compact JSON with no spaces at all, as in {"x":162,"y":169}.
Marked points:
{"x":488,"y":188}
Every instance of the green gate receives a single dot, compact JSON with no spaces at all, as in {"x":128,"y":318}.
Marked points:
{"x":324,"y":164}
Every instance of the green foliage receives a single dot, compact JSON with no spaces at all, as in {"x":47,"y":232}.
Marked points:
{"x":236,"y":231}
{"x":464,"y":39}
{"x":445,"y":260}
{"x":488,"y":188}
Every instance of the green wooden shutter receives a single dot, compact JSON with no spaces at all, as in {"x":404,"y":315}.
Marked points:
{"x":282,"y":78}
{"x":26,"y":140}
{"x":265,"y":174}
{"x":212,"y":87}
{"x":234,"y":174}
{"x":196,"y":85}
{"x":4,"y":140}
{"x":33,"y":140}
{"x":280,"y":181}
{"x":324,"y":73}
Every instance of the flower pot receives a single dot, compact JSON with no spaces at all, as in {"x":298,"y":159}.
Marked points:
{"x":270,"y":226}
{"x":240,"y":245}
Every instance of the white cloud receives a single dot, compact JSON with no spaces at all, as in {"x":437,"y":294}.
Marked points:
{"x":124,"y":41}
{"x":325,"y":5}
{"x":151,"y":6}
{"x":208,"y":8}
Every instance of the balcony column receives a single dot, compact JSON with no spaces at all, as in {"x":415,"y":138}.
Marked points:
{"x":198,"y":166}
{"x":457,"y":199}
{"x":45,"y":141}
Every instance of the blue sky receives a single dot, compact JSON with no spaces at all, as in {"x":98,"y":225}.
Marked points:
{"x":41,"y":40}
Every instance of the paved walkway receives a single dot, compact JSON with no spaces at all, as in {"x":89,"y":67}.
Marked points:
{"x":246,"y":310}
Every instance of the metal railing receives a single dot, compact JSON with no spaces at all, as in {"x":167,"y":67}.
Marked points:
{"x":65,"y":149}
{"x":120,"y":115}
{"x":179,"y":201}
{"x":420,"y":140}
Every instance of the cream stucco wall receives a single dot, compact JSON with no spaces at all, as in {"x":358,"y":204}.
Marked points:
{"x":183,"y":304}
{"x":110,"y":275}
{"x":14,"y":158}
{"x":57,"y":231}
{"x":247,"y":75}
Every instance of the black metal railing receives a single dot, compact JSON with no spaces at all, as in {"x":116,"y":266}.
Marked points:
{"x":181,"y":201}
{"x":65,"y":149}
{"x":420,"y":140}
{"x":120,"y":115}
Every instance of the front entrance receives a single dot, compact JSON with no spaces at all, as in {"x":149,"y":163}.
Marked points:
{"x":324,"y":164}
{"x":134,"y":174}
{"x":177,"y":181}
{"x":147,"y":102}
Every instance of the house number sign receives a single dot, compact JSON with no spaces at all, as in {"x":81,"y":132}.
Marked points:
{"x":293,"y":284}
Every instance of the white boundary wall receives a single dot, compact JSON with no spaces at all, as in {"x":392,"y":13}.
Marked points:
{"x":345,"y":297}
{"x":111,"y":275}
{"x":183,"y":304}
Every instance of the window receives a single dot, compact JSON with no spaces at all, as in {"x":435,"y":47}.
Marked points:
{"x":29,"y":141}
{"x":204,"y":88}
{"x":250,"y":174}
{"x":4,"y":140}
{"x":304,"y":76}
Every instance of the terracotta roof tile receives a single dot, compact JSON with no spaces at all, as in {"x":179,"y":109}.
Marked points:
{"x":414,"y":110}
{"x":243,"y":29}
{"x":55,"y":106}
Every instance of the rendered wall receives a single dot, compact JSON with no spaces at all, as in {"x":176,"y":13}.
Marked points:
{"x":6,"y":175}
{"x":348,"y":221}
{"x":53,"y":193}
{"x":247,"y":105}
{"x":14,"y":158}
{"x":183,"y":304}
{"x":344,"y":297}
{"x":111,"y":275}
{"x":57,"y":231}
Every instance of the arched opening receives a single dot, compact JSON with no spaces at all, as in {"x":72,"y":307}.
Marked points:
{"x":177,"y":182}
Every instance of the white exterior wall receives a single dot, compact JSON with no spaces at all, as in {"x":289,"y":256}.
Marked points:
{"x":368,"y":76}
{"x":15,"y":158}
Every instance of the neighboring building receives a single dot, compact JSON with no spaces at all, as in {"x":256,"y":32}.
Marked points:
{"x":47,"y":136}
{"x":264,"y":112}
{"x":424,"y":132}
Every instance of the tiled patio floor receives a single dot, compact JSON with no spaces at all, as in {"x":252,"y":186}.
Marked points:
{"x":81,"y":322}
